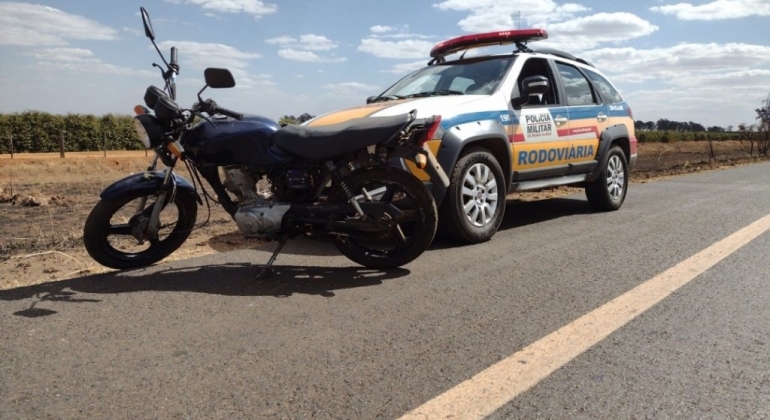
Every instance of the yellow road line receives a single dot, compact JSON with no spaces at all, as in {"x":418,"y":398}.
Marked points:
{"x":494,"y":387}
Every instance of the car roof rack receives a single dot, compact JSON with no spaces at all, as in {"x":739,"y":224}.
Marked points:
{"x":562,"y":54}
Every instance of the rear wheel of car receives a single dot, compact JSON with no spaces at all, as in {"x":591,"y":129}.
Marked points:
{"x":608,"y":192}
{"x":474,"y":206}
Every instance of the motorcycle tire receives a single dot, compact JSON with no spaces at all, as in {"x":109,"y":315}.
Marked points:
{"x":408,"y":238}
{"x":108,"y":232}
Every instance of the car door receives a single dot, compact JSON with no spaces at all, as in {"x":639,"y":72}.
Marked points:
{"x":588,"y":117}
{"x":540,"y":138}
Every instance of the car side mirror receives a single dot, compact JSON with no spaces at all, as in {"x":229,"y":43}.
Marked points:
{"x":531,"y":86}
{"x":370,"y":99}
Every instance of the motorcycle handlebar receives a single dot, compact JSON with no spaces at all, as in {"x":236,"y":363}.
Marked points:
{"x":224,"y":111}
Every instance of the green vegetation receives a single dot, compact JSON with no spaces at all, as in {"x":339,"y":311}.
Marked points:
{"x":35,"y":131}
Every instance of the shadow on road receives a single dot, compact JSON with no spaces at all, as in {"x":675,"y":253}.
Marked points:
{"x":523,"y":213}
{"x":240,"y":279}
{"x":221,"y":279}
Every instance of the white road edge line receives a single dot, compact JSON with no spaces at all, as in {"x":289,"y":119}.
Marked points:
{"x":495,"y":386}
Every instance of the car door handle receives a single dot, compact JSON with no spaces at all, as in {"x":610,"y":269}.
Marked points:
{"x":602,"y":117}
{"x":560,"y":121}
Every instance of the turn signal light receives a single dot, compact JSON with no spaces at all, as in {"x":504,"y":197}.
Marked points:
{"x":421,"y":161}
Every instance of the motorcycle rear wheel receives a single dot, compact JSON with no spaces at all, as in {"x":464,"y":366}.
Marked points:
{"x":108,"y":234}
{"x":408,"y":237}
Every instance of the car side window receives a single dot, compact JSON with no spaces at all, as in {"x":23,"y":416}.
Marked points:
{"x":538,"y":67}
{"x":607,"y":92}
{"x":576,"y":86}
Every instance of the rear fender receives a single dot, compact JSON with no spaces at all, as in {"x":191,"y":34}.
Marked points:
{"x":148,"y":183}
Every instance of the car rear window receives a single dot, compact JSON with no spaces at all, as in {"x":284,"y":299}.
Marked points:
{"x":606,"y":91}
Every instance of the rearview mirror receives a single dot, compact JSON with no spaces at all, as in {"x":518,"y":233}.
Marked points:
{"x":370,"y":99}
{"x":148,"y":32}
{"x":218,"y":78}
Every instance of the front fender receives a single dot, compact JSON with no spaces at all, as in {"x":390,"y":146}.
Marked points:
{"x":148,"y":183}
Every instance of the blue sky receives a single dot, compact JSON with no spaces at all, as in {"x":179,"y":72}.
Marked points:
{"x":706,"y":61}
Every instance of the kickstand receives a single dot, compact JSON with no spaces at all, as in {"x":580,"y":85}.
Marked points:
{"x":267,"y":269}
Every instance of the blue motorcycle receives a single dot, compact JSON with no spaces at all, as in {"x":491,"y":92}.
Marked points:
{"x":343,"y":183}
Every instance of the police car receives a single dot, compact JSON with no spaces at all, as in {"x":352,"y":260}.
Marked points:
{"x":530,"y":119}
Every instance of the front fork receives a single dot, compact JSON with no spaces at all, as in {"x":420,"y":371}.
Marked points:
{"x":151,"y":230}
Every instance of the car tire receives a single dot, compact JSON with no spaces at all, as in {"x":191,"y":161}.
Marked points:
{"x":474,"y":206}
{"x":608,"y":191}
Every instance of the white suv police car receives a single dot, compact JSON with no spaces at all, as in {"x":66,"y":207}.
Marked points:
{"x":527,"y":120}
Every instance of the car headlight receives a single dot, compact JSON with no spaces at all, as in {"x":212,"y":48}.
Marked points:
{"x":150,"y":130}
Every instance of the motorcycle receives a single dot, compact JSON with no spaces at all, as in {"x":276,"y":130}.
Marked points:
{"x":339,"y":183}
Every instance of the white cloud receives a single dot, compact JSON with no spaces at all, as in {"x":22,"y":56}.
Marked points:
{"x":402,"y":69}
{"x":410,"y":48}
{"x":282,"y":40}
{"x":63,"y":54}
{"x":256,"y":8}
{"x":308,"y":42}
{"x":351,"y":88}
{"x":716,"y":10}
{"x":580,"y":33}
{"x":490,"y":15}
{"x":688,"y":82}
{"x":79,"y":60}
{"x":686,"y":60}
{"x":36,"y":25}
{"x":381,"y":29}
{"x":245,"y":80}
{"x":308,"y":56}
{"x":132,"y":31}
{"x":202,"y":55}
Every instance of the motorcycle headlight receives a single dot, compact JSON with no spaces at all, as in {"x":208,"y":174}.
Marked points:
{"x":150,"y":130}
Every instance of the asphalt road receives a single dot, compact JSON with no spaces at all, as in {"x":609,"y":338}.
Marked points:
{"x":323,"y":338}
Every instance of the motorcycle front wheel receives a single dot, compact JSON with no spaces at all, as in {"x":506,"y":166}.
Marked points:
{"x":113,"y":233}
{"x":402,"y":238}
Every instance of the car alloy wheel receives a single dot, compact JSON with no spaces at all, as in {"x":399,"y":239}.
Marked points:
{"x":479,"y":195}
{"x":616,"y":177}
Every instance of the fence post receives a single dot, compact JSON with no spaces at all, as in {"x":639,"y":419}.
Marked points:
{"x":104,"y":134}
{"x":61,"y":145}
{"x":10,"y":134}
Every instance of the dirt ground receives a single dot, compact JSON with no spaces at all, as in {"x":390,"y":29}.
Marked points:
{"x":44,"y":201}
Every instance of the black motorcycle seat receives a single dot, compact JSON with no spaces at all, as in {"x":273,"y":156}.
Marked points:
{"x":336,"y":139}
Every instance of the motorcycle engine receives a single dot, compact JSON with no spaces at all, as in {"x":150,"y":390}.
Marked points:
{"x":257,"y":213}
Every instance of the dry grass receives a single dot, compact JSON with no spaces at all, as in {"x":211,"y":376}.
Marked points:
{"x":33,"y":169}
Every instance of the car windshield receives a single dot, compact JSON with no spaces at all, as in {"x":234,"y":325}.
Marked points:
{"x":469,"y":77}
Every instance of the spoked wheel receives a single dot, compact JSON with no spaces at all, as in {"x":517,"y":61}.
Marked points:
{"x":399,"y":239}
{"x":114,"y":231}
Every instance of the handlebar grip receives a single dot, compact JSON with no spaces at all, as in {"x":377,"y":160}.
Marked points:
{"x":174,"y":59}
{"x":227,"y":112}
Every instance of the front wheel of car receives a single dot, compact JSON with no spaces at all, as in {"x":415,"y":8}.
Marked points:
{"x":474,"y":206}
{"x":608,"y":191}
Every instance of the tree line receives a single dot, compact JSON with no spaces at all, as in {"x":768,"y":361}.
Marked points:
{"x":665,"y":124}
{"x":34,"y":131}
